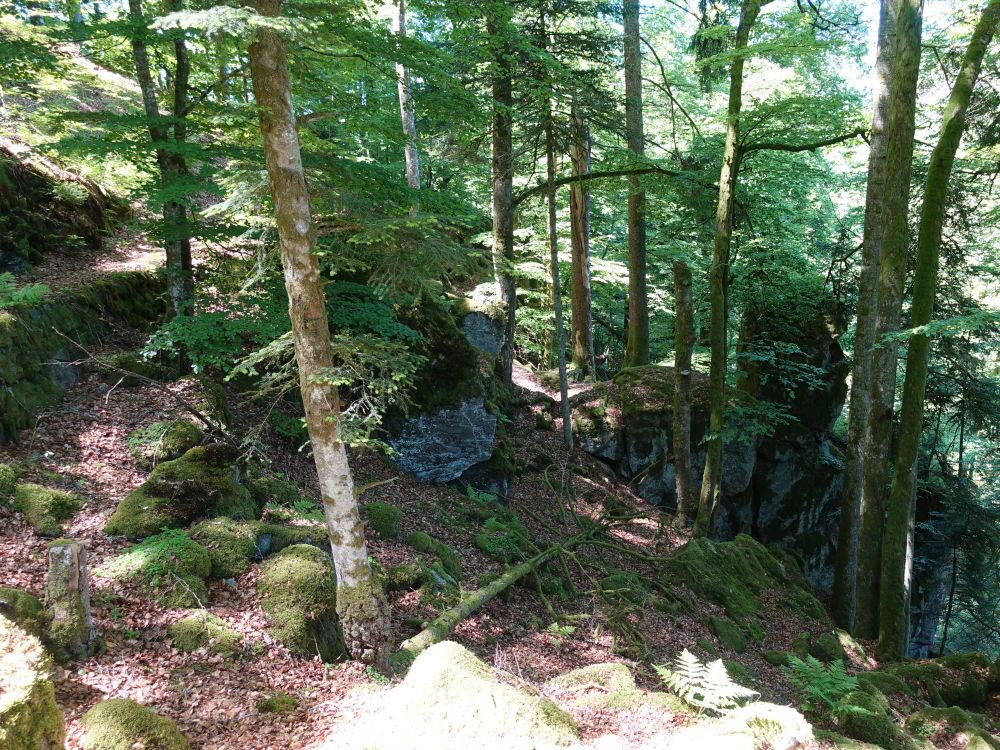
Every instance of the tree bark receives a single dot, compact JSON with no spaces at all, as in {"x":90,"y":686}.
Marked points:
{"x":361,"y":606}
{"x":502,"y":168}
{"x":718,"y":281}
{"x":582,"y":325}
{"x":897,"y":550}
{"x":637,"y":343}
{"x":888,"y":314}
{"x":406,"y":108}
{"x":843,"y":603}
{"x":683,"y":346}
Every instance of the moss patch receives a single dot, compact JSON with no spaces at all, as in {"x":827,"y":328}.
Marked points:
{"x":122,"y":724}
{"x":231,"y":545}
{"x":201,"y":483}
{"x":277,"y":702}
{"x":164,"y":441}
{"x":862,"y":716}
{"x":943,"y":726}
{"x":385,"y":519}
{"x":827,"y":647}
{"x":728,"y":633}
{"x":299,"y":594}
{"x":29,"y":716}
{"x":201,"y":629}
{"x":611,"y":686}
{"x":46,"y":508}
{"x":962,"y":680}
{"x":24,"y":609}
{"x":171,"y":565}
{"x":8,"y":479}
{"x":424,"y":542}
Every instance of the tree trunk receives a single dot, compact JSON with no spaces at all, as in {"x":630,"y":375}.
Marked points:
{"x":683,"y":346}
{"x":888,"y":313}
{"x":579,"y":211}
{"x":842,"y":604}
{"x":67,"y":602}
{"x":406,"y":108}
{"x":897,"y":551}
{"x":637,"y":343}
{"x":503,"y":190}
{"x":718,"y":280}
{"x":951,"y":599}
{"x":361,"y":606}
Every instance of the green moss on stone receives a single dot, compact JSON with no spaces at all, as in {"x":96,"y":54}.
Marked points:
{"x":8,"y":479}
{"x":201,"y":628}
{"x":274,"y":537}
{"x":827,"y":648}
{"x":625,"y":586}
{"x":385,"y":519}
{"x":277,"y":702}
{"x":406,"y":576}
{"x":728,"y":633}
{"x":886,"y":683}
{"x":505,"y":539}
{"x":273,"y":490}
{"x":171,"y":565}
{"x":862,"y":716}
{"x":122,"y":724}
{"x":164,"y":441}
{"x":962,"y":680}
{"x":298,"y":591}
{"x":231,"y":545}
{"x":423,"y":542}
{"x":201,"y":483}
{"x":776,"y":658}
{"x":947,"y":725}
{"x":46,"y":508}
{"x":24,"y":609}
{"x":30,"y":719}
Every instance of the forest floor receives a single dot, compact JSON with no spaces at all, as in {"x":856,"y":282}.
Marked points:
{"x":82,"y":445}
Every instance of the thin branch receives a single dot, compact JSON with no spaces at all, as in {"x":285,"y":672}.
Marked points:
{"x":799,"y":147}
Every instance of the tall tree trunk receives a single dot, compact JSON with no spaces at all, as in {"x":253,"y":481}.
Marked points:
{"x":361,"y":606}
{"x":888,"y":314}
{"x":176,"y":240}
{"x":582,"y":325}
{"x":718,"y":280}
{"x":637,"y":343}
{"x":406,"y":108}
{"x":683,"y":346}
{"x":842,"y":604}
{"x":897,"y":549}
{"x":503,"y":188}
{"x":951,"y":599}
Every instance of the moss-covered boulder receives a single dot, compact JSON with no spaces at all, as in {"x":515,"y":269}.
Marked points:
{"x":273,"y":490}
{"x":827,"y":647}
{"x":952,"y":727}
{"x":450,"y":699}
{"x":298,"y":591}
{"x":274,"y":537}
{"x":164,"y":441}
{"x":963,"y":680}
{"x":123,"y":724}
{"x":171,"y":566}
{"x":24,"y":609}
{"x":46,"y":508}
{"x":231,"y":544}
{"x":863,"y":716}
{"x":728,"y":633}
{"x":29,"y":716}
{"x":9,"y":475}
{"x":383,"y":518}
{"x":203,"y":483}
{"x":203,"y":629}
{"x":611,"y":686}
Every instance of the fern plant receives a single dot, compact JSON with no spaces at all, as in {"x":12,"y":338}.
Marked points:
{"x":12,"y":294}
{"x":820,"y":687}
{"x":705,"y":686}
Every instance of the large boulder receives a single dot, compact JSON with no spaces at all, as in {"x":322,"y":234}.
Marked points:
{"x":29,"y":716}
{"x":450,"y":700}
{"x":203,"y":483}
{"x":122,"y":724}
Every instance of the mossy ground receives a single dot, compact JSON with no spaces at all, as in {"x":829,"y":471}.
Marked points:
{"x":46,"y":508}
{"x":231,"y":545}
{"x":9,"y":475}
{"x":164,"y":441}
{"x":201,"y":628}
{"x":171,"y":565}
{"x":278,"y":702}
{"x":298,"y":591}
{"x":122,"y":724}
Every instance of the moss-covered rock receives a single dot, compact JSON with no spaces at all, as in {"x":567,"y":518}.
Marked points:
{"x":24,"y":609}
{"x":421,"y":541}
{"x":274,"y":537}
{"x":298,"y":591}
{"x":171,"y":566}
{"x":827,"y":647}
{"x":46,"y":508}
{"x":164,"y":441}
{"x":962,"y":680}
{"x":385,"y":519}
{"x":952,"y":727}
{"x":776,"y":658}
{"x":450,"y":698}
{"x":277,"y":702}
{"x":201,"y":628}
{"x":204,"y":482}
{"x":29,"y":716}
{"x":728,"y":633}
{"x":886,"y":683}
{"x":862,"y":716}
{"x":123,"y":724}
{"x":612,"y":686}
{"x":9,"y":475}
{"x":231,"y":544}
{"x":406,"y":576}
{"x":273,"y":490}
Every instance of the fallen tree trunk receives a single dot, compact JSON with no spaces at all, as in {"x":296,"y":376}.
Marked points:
{"x":438,"y":629}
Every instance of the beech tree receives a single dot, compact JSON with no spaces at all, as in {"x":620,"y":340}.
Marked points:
{"x":361,"y":605}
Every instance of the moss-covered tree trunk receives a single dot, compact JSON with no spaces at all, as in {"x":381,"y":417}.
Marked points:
{"x":407,"y":111}
{"x":171,"y":164}
{"x":582,"y":325}
{"x":842,"y":604}
{"x":888,"y":314}
{"x":683,"y":346}
{"x":637,"y":341}
{"x":718,"y":280}
{"x":502,"y":167}
{"x":361,"y":606}
{"x":897,"y":548}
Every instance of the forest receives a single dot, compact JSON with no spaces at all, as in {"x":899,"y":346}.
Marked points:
{"x":505,"y":373}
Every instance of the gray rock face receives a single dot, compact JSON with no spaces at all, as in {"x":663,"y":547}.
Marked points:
{"x":483,"y":332}
{"x":440,"y":447}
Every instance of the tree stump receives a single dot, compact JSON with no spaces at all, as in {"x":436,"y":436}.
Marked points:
{"x":71,"y":633}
